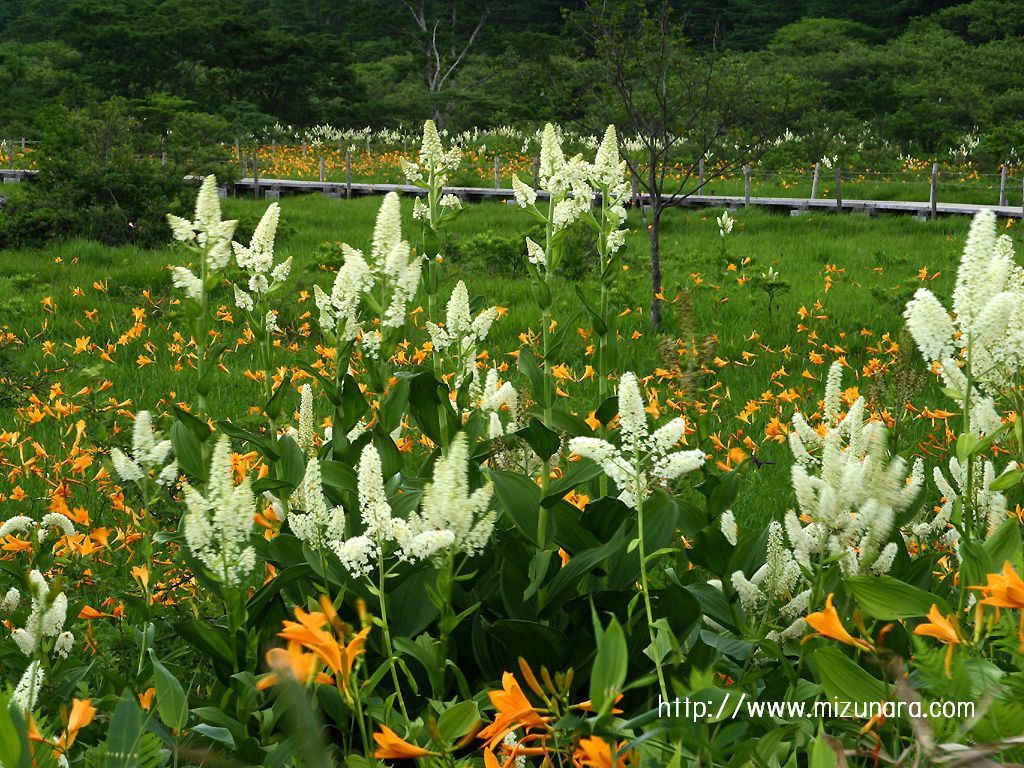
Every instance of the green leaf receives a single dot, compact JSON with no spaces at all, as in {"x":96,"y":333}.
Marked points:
{"x":542,"y":440}
{"x":1007,"y":480}
{"x":171,"y":701}
{"x":292,"y":464}
{"x":528,"y":366}
{"x":1004,"y":544}
{"x":274,"y":405}
{"x":458,"y":720}
{"x":890,"y":599}
{"x":519,"y":497}
{"x":196,"y":426}
{"x":188,"y":450}
{"x":845,"y":680}
{"x":124,"y":734}
{"x":609,"y":672}
{"x":10,"y":743}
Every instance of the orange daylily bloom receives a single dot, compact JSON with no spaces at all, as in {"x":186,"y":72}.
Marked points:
{"x":1003,"y":590}
{"x":512,"y":711}
{"x":295,"y":663}
{"x":941,"y":628}
{"x":82,"y":713}
{"x":391,"y":746}
{"x":595,"y":752}
{"x":827,"y":624}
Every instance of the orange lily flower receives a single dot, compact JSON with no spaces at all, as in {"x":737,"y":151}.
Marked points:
{"x":827,"y":624}
{"x":391,"y":746}
{"x":595,"y":752}
{"x":941,"y":628}
{"x":513,"y":711}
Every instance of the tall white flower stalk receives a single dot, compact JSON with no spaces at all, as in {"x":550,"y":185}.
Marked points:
{"x":608,"y":177}
{"x":452,"y":520}
{"x":456,"y":342}
{"x":263,"y":278}
{"x":217,"y":524}
{"x":41,"y":636}
{"x":436,"y":210}
{"x":979,"y":349}
{"x":208,"y":238}
{"x":566,"y":182}
{"x":150,"y":466}
{"x":849,"y":490}
{"x":369,"y":301}
{"x":642,"y":461}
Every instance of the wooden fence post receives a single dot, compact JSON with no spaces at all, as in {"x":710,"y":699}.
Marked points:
{"x":10,"y":153}
{"x":323,"y":168}
{"x":255,"y":175}
{"x":814,"y":181}
{"x":405,"y":146}
{"x":497,"y":172}
{"x":536,"y":173}
{"x":746,"y":184}
{"x":238,"y":149}
{"x":304,"y":147}
{"x":700,"y":175}
{"x":1002,"y":185}
{"x":636,"y":187}
{"x":839,"y":187}
{"x":163,"y":150}
{"x":348,"y":173}
{"x":273,"y":145}
{"x":933,"y":193}
{"x":22,"y":143}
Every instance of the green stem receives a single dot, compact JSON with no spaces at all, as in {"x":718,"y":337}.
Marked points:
{"x":387,"y":639}
{"x":647,"y":599}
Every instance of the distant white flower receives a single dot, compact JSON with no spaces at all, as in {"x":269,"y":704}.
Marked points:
{"x":309,"y":516}
{"x":524,"y":194}
{"x":208,"y":231}
{"x":461,"y":333}
{"x":725,"y":224}
{"x":26,"y":692}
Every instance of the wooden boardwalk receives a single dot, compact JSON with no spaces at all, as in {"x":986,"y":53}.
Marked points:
{"x":795,"y":205}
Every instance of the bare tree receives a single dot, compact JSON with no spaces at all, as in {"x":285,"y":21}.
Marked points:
{"x":445,"y":40}
{"x":679,"y":105}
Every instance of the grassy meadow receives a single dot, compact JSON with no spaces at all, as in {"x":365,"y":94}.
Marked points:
{"x":77,"y":314}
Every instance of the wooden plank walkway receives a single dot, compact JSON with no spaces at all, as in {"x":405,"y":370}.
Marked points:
{"x":795,"y":205}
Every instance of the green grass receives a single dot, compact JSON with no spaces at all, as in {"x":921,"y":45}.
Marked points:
{"x":876,"y":261}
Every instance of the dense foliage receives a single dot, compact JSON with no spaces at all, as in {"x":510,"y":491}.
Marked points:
{"x":898,"y":65}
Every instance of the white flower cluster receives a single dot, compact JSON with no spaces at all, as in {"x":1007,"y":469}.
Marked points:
{"x":461,"y":333}
{"x":990,"y":506}
{"x":309,"y":517}
{"x":567,"y":180}
{"x":608,"y":175}
{"x":150,"y":451}
{"x":496,"y":399}
{"x":26,"y":692}
{"x":388,"y":282}
{"x":850,"y":490}
{"x":45,"y":620}
{"x":52,"y":522}
{"x":450,"y":519}
{"x":987,"y":334}
{"x":776,"y":579}
{"x":725,"y":224}
{"x":217,"y":525}
{"x":644,"y":459}
{"x":209,"y":232}
{"x":257,"y":261}
{"x":434,"y":161}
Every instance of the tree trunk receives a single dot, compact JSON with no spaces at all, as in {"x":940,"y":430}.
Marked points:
{"x":654,"y":235}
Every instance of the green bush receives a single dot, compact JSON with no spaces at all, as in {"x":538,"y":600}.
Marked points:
{"x":101,"y":177}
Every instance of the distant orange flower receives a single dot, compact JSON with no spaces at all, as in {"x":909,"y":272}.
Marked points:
{"x":941,"y":628}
